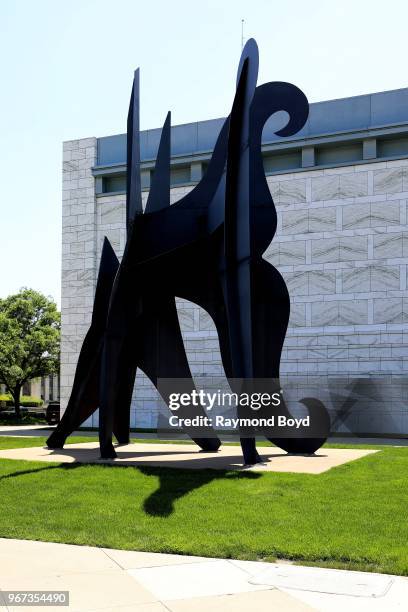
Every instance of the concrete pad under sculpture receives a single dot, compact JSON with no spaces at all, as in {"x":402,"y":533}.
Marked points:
{"x":186,"y":456}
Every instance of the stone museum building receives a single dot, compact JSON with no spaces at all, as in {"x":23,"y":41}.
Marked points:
{"x":340,"y":187}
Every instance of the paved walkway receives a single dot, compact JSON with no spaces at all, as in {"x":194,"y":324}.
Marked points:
{"x":24,"y":430}
{"x":187,"y":456}
{"x":124,"y":581}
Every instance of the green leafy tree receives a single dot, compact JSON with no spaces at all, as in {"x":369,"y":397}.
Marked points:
{"x":29,"y":340}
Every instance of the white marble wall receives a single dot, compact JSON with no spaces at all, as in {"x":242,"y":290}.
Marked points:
{"x":341,"y":245}
{"x":79,"y":253}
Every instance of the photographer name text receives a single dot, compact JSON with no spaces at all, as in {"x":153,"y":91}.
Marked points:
{"x":221,"y":421}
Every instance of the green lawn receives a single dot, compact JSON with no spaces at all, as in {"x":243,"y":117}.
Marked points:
{"x":354,"y":516}
{"x":7,"y":442}
{"x":29,"y":441}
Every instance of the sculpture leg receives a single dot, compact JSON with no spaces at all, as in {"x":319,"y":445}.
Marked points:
{"x":238,"y":343}
{"x":82,"y":404}
{"x":115,"y":361}
{"x":84,"y":399}
{"x":213,"y":304}
{"x":121,"y":419}
{"x":249,"y":451}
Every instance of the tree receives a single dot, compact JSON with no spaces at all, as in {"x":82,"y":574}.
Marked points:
{"x":29,"y":340}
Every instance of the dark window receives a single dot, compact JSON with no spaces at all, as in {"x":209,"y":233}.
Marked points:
{"x":112,"y":184}
{"x":179,"y":175}
{"x":392,"y":146}
{"x":274,"y":162}
{"x":339,"y":154}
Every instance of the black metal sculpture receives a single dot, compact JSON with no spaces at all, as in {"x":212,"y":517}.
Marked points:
{"x":206,"y":248}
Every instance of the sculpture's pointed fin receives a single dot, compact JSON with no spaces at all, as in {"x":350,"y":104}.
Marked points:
{"x":133,"y":185}
{"x":159,"y":195}
{"x":249,"y":56}
{"x":108,"y":267}
{"x":84,"y":398}
{"x":237,"y":229}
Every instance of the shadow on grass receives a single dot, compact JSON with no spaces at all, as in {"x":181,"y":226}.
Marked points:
{"x":58,"y":466}
{"x":175,"y":483}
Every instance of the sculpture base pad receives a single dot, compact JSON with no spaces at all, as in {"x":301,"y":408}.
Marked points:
{"x":188,"y":456}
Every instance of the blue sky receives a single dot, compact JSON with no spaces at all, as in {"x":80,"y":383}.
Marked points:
{"x":66,"y":70}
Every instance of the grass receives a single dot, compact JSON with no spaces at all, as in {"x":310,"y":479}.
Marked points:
{"x":8,"y":442}
{"x":354,"y":516}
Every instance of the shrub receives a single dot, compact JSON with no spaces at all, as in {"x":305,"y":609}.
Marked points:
{"x":26,"y":400}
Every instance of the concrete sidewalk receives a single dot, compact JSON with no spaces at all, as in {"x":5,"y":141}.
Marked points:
{"x":25,"y":430}
{"x":188,"y":456}
{"x":122,"y":581}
